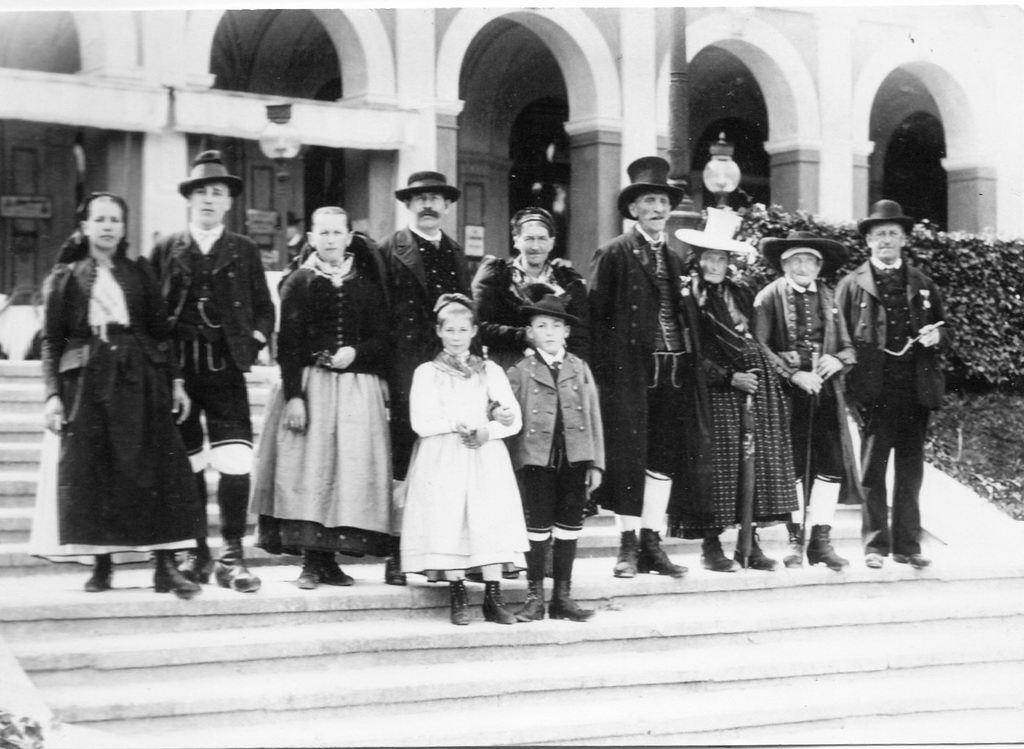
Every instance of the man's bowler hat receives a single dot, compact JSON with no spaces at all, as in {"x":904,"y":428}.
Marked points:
{"x":544,"y":301}
{"x":647,"y":174}
{"x":428,"y":182}
{"x":209,"y":167}
{"x":886,"y":212}
{"x":832,"y":253}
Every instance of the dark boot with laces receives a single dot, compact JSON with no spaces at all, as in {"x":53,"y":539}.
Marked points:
{"x":712,"y":556}
{"x":820,"y":549}
{"x":795,"y":556}
{"x":532,"y":609}
{"x":563,"y":607}
{"x":625,"y":564}
{"x":652,"y":558}
{"x":460,"y":604}
{"x":757,"y":559}
{"x":494,"y":607}
{"x":102,"y":572}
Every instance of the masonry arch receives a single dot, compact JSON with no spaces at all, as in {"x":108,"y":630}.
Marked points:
{"x":900,"y":82}
{"x":360,"y":42}
{"x":583,"y":56}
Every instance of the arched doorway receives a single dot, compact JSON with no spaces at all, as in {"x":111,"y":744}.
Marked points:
{"x":279,"y":53}
{"x":906,"y":165}
{"x":726,"y":98}
{"x":540,"y":174}
{"x":513,"y":148}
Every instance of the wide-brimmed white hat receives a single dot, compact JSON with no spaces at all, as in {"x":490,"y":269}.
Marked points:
{"x":718,"y":233}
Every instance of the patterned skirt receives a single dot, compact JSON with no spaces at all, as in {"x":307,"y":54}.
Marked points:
{"x":775,"y":494}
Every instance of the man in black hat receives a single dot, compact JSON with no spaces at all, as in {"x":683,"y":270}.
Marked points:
{"x":796,"y":318}
{"x":221,"y":314}
{"x":895,"y":317}
{"x":645,"y":355}
{"x":423,"y":263}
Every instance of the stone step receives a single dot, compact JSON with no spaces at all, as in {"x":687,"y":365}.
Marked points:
{"x":727,"y":620}
{"x":688,"y":668}
{"x":55,"y":605}
{"x":16,"y":371}
{"x":667,"y":714}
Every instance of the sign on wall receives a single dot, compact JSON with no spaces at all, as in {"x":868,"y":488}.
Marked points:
{"x":25,"y":206}
{"x":474,"y":244}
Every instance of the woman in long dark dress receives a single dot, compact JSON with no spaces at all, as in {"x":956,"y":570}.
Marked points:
{"x":121,"y":480}
{"x":735,"y":367}
{"x":499,"y":289}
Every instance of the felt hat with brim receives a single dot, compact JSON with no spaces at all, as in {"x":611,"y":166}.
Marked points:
{"x":832,"y":253}
{"x":717,"y":234}
{"x":647,"y":174}
{"x":428,"y":182}
{"x":207,"y":168}
{"x":885,"y":212}
{"x":544,"y":301}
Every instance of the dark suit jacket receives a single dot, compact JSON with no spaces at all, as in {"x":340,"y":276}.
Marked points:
{"x":239,"y":284}
{"x":624,"y":305}
{"x":860,"y":304}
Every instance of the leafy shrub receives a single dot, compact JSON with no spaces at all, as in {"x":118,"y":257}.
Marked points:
{"x":981,"y":278}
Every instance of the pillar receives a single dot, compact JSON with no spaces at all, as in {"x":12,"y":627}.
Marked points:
{"x":971,"y":197}
{"x":639,"y":68}
{"x":835,"y":89}
{"x":861,"y":179}
{"x":164,"y":164}
{"x":597,"y":177}
{"x":794,"y":175}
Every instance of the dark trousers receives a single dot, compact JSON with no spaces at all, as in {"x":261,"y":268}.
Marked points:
{"x":821,"y":424}
{"x":218,"y":393}
{"x":669,"y":415}
{"x":553,"y":496}
{"x":898,"y":425}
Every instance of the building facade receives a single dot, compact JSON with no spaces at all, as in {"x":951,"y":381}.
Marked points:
{"x":829,"y":109}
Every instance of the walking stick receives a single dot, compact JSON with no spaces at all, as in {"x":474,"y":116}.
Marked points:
{"x":807,"y":457}
{"x":744,"y":542}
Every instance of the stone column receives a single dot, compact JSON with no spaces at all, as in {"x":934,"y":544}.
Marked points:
{"x":861,"y":178}
{"x":164,"y":164}
{"x":835,"y":90}
{"x":971,"y":196}
{"x":639,"y":70}
{"x":794,"y":175}
{"x":597,"y":177}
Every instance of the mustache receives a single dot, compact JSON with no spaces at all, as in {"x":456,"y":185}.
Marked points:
{"x":429,"y":212}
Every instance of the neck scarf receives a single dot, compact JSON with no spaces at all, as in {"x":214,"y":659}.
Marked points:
{"x":464,"y":366}
{"x":336,"y":274}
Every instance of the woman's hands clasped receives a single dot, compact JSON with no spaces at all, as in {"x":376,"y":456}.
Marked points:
{"x":53,"y":414}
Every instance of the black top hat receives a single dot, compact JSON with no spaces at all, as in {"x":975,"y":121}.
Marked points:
{"x":544,"y":301}
{"x":428,"y":182}
{"x":833,"y":254}
{"x":886,"y":212}
{"x":209,"y":167}
{"x":647,"y":174}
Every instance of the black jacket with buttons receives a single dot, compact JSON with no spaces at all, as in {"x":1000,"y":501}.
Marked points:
{"x":239,"y":285}
{"x":317,"y":317}
{"x":624,"y":305}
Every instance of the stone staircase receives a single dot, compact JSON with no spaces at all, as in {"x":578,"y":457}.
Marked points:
{"x":790,"y":657}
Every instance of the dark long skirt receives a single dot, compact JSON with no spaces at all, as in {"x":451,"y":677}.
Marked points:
{"x":123,"y":476}
{"x":775,"y":494}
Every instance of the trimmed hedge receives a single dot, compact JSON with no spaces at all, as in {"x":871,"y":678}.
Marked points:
{"x":982,"y":283}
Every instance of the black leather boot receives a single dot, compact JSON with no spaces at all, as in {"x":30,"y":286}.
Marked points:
{"x":102,"y":571}
{"x":331,"y":573}
{"x":532,"y":609}
{"x":231,"y":571}
{"x":309,"y":577}
{"x":460,"y":606}
{"x":820,"y":549}
{"x":757,"y":559}
{"x":652,"y":558}
{"x":198,"y":563}
{"x":167,"y":578}
{"x":494,"y":607}
{"x":393,"y":574}
{"x":625,"y":564}
{"x":563,"y":607}
{"x":712,"y":556}
{"x":795,"y":557}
